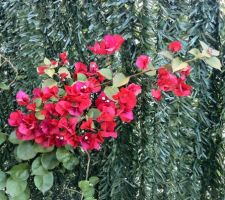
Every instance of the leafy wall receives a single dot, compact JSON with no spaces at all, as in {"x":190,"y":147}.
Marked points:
{"x":174,"y":149}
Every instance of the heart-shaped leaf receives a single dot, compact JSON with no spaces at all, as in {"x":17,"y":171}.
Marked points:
{"x":177,"y":64}
{"x":25,"y":151}
{"x":49,"y":83}
{"x":2,"y":180}
{"x":107,"y":73}
{"x":49,"y":160}
{"x":110,"y":91}
{"x":20,"y":172}
{"x":120,"y":79}
{"x":214,"y":62}
{"x":166,"y":54}
{"x":15,"y":187}
{"x":37,"y":168}
{"x":44,"y":182}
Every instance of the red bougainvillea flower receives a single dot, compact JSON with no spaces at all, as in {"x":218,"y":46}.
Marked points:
{"x":15,"y":118}
{"x":125,"y":114}
{"x":175,"y":46}
{"x":87,"y":125}
{"x":80,"y":68}
{"x":54,"y":62}
{"x":136,"y":89}
{"x":143,"y":61}
{"x":90,"y":141}
{"x":64,"y":59}
{"x":156,"y":94}
{"x":72,"y":139}
{"x":26,"y":128}
{"x":41,"y":69}
{"x":166,"y":80}
{"x":93,"y":68}
{"x":49,"y":92}
{"x":22,"y":98}
{"x":185,"y":72}
{"x":182,"y":89}
{"x":108,"y":129}
{"x":63,"y":76}
{"x":127,"y":101}
{"x":62,"y":107}
{"x":109,"y":45}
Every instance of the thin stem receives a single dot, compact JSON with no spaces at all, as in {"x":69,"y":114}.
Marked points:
{"x":11,"y":65}
{"x":87,"y":170}
{"x":133,"y":75}
{"x":193,"y":59}
{"x":143,"y":72}
{"x":88,"y":165}
{"x":73,"y":190}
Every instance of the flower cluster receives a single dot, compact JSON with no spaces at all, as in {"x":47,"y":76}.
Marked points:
{"x":83,"y":108}
{"x":167,"y":81}
{"x":76,"y":114}
{"x":170,"y":82}
{"x":109,"y":45}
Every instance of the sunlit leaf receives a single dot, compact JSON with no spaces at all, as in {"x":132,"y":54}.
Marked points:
{"x":120,"y":79}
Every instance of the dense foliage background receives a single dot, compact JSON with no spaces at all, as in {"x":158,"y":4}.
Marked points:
{"x":174,"y":149}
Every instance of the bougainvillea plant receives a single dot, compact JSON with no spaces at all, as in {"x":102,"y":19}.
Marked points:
{"x":81,"y":109}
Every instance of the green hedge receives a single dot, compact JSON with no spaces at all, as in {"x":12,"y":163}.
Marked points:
{"x":174,"y":149}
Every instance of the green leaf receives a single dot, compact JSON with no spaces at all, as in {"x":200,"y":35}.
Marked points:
{"x":13,"y":138}
{"x":37,"y":168}
{"x":204,"y":45}
{"x":213,"y":62}
{"x":89,"y":193}
{"x":49,"y":160}
{"x":47,"y":61}
{"x":152,"y":72}
{"x":205,"y":53}
{"x":2,"y":180}
{"x":81,"y":77}
{"x":50,"y":72}
{"x":177,"y":64}
{"x":62,"y":154}
{"x":61,"y":92}
{"x":166,"y":54}
{"x":2,"y":195}
{"x":25,"y":151}
{"x":49,"y":83}
{"x":40,"y":149}
{"x":195,"y":52}
{"x":3,"y":86}
{"x":2,"y":137}
{"x":38,"y":102}
{"x":84,"y":185}
{"x":90,"y":198}
{"x":93,"y":113}
{"x":39,"y":115}
{"x":23,"y":196}
{"x":15,"y":187}
{"x":44,"y":182}
{"x":110,"y":91}
{"x":71,"y":163}
{"x":68,"y":159}
{"x":19,"y":172}
{"x":64,"y":70}
{"x":120,"y":79}
{"x":107,"y":73}
{"x":93,"y":180}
